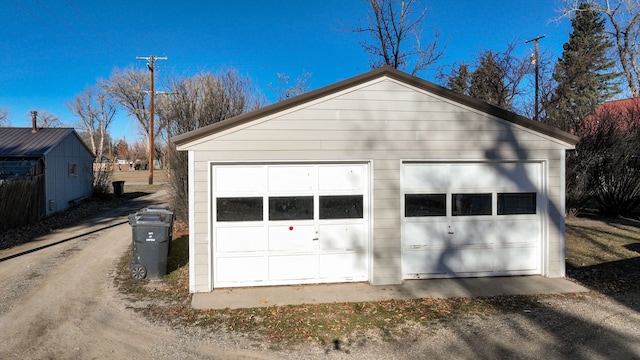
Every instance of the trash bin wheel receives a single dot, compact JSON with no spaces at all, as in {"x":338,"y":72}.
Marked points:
{"x":138,"y":271}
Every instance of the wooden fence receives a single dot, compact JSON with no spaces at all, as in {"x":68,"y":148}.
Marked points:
{"x":22,"y":201}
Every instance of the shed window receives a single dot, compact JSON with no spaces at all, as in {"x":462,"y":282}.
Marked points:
{"x":418,"y":205}
{"x":470,"y":204}
{"x":73,"y":169}
{"x":291,"y":208}
{"x":341,"y":207}
{"x":239,"y":209}
{"x":516,"y":203}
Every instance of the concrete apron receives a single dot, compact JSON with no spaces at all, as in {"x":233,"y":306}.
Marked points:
{"x":235,"y":298}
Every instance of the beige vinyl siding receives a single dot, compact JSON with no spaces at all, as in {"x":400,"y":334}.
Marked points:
{"x":384,"y":122}
{"x":202,"y":266}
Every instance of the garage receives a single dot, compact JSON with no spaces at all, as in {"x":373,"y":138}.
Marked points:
{"x":472,"y":219}
{"x":381,"y":178}
{"x":281,"y":224}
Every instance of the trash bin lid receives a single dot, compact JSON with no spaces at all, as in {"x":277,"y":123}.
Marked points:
{"x":157,"y":208}
{"x":144,"y":218}
{"x":164,"y":211}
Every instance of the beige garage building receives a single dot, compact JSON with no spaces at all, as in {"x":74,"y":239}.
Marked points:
{"x":379,"y":178}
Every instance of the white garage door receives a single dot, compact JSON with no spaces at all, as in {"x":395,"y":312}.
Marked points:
{"x":471,"y":219}
{"x":290,"y":224}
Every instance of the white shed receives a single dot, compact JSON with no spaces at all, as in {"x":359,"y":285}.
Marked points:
{"x":379,"y":178}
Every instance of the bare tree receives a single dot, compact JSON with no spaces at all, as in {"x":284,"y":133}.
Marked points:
{"x":4,"y":117}
{"x":390,"y":25}
{"x":195,"y":102}
{"x":45,"y":119}
{"x":285,"y":89}
{"x":96,"y":110}
{"x":130,"y":89}
{"x":624,"y":29}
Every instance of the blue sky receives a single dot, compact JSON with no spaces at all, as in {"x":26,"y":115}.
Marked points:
{"x":52,"y":49}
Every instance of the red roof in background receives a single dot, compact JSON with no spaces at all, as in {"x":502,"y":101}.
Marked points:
{"x":621,"y":114}
{"x":619,"y":107}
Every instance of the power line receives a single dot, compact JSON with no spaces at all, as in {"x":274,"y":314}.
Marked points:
{"x":89,"y":24}
{"x":49,"y":27}
{"x":56,"y":16}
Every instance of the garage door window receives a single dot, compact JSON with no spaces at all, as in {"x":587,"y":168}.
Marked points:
{"x":417,"y":205}
{"x":239,"y":209}
{"x":291,"y":208}
{"x":470,"y":204}
{"x":341,"y":207}
{"x":516,"y":203}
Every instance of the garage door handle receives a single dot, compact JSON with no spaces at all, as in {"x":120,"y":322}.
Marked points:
{"x":315,"y":239}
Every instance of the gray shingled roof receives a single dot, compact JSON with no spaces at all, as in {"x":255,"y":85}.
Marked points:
{"x":22,"y":142}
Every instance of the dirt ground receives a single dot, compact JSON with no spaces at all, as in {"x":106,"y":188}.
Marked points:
{"x":59,"y":302}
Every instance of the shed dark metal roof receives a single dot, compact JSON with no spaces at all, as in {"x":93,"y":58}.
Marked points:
{"x":24,"y":142}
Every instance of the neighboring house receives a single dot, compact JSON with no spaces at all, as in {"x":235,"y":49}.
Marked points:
{"x":380,"y":178}
{"x":57,"y":153}
{"x":617,"y":114}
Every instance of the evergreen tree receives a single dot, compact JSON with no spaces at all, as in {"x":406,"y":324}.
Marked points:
{"x":458,"y":80}
{"x":584,"y":74}
{"x":488,"y":82}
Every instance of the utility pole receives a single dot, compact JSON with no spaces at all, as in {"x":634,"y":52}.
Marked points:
{"x":151,"y":59}
{"x":536,"y":62}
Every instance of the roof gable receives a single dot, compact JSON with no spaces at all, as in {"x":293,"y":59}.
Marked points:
{"x":25,"y":142}
{"x":389,"y":72}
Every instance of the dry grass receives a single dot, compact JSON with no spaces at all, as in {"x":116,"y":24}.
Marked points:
{"x":590,"y":245}
{"x":141,"y":176}
{"x":604,"y":255}
{"x":138,"y":180}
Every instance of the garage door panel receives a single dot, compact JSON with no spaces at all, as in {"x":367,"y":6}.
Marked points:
{"x":515,"y":231}
{"x":247,"y":269}
{"x":293,"y":267}
{"x":290,"y":223}
{"x":291,"y":238}
{"x":447,"y":261}
{"x":341,"y":178}
{"x":470,"y":232}
{"x":520,"y":176}
{"x":425,"y":233}
{"x":346,"y":266}
{"x":469,"y":176}
{"x":426,"y":176}
{"x":292,"y":179}
{"x":467,"y":260}
{"x":341,"y":237}
{"x":239,"y":179}
{"x":517,"y":259}
{"x":422,"y":262}
{"x":240,"y":239}
{"x":504,"y":235}
{"x":517,"y":176}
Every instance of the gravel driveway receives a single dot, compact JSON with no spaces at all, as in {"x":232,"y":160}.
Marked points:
{"x":60,"y":303}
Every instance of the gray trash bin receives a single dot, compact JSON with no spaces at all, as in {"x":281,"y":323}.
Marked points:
{"x":151,"y":236}
{"x":166,"y":214}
